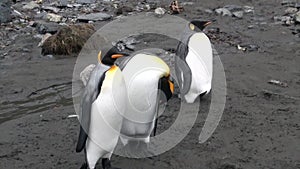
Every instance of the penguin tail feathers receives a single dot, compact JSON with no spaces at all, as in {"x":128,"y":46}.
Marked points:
{"x":81,"y":140}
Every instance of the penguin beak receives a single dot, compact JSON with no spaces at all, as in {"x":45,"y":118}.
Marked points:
{"x":207,"y":23}
{"x":118,"y":55}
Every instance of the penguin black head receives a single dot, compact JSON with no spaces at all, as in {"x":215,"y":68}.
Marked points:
{"x":111,"y":56}
{"x":198,"y":25}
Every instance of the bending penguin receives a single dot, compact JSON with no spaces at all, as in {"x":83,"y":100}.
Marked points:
{"x":107,"y":96}
{"x":100,"y":117}
{"x":148,"y":85}
{"x":193,"y":64}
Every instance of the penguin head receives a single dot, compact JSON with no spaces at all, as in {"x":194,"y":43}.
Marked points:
{"x":198,"y":25}
{"x":111,"y":56}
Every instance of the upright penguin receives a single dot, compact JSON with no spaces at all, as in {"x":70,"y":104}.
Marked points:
{"x":107,"y":101}
{"x":193,"y":64}
{"x":100,"y":118}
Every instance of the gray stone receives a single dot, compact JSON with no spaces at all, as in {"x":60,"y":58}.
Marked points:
{"x":100,"y":16}
{"x":288,"y":2}
{"x":53,"y":17}
{"x":62,"y":3}
{"x":160,"y":11}
{"x":223,"y":12}
{"x":233,"y":8}
{"x":297,"y":17}
{"x":248,"y":9}
{"x":291,"y":10}
{"x":51,"y":9}
{"x":238,"y":14}
{"x":31,"y":5}
{"x":5,"y":12}
{"x":48,"y":27}
{"x":85,"y":1}
{"x":42,"y":15}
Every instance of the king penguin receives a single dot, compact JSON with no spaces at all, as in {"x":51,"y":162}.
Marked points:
{"x":193,"y":64}
{"x":117,"y":85}
{"x":148,"y":84}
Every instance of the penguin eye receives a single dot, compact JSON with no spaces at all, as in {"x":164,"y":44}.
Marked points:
{"x":192,"y":26}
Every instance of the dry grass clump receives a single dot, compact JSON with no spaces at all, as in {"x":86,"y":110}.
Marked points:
{"x":68,"y":40}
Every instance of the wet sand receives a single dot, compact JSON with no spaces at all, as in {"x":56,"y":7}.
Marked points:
{"x":257,"y":130}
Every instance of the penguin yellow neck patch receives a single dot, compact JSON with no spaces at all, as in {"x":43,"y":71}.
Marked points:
{"x":192,"y":26}
{"x":99,"y":56}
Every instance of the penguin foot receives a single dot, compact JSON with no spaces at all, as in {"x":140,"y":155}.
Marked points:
{"x":84,"y":166}
{"x":107,"y":165}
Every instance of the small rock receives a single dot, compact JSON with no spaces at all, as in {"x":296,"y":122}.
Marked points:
{"x":223,"y":12}
{"x":51,"y":9}
{"x":238,"y":14}
{"x":50,"y":27}
{"x":42,"y":15}
{"x":31,"y":5}
{"x":291,"y":10}
{"x":248,"y":9}
{"x":100,"y":16}
{"x":297,"y":17}
{"x":53,"y":17}
{"x":288,"y":2}
{"x":233,"y":8}
{"x":160,"y":11}
{"x":208,"y":11}
{"x":278,"y":83}
{"x":5,"y":14}
{"x":62,"y":3}
{"x":85,"y":1}
{"x":187,"y":3}
{"x":123,"y":10}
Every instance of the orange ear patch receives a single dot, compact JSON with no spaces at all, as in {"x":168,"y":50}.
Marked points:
{"x":171,"y":86}
{"x":116,"y":56}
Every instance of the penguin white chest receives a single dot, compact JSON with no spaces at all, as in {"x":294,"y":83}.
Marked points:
{"x":108,"y":110}
{"x":199,"y":59}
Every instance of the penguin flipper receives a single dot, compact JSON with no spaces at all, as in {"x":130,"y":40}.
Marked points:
{"x":90,"y":94}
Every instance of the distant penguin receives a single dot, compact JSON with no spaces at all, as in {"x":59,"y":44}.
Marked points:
{"x":193,"y":64}
{"x":117,"y":86}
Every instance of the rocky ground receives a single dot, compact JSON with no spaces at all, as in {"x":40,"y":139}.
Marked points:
{"x":258,"y":43}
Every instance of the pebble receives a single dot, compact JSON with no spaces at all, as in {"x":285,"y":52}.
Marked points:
{"x":238,"y":14}
{"x":248,"y":9}
{"x":291,"y":10}
{"x":51,"y":9}
{"x":100,"y":16}
{"x":5,"y":12}
{"x":85,"y":1}
{"x":297,"y":17}
{"x":233,"y":8}
{"x":54,"y":17}
{"x":31,"y":5}
{"x":160,"y":11}
{"x":47,"y":27}
{"x":62,"y":3}
{"x":223,"y":12}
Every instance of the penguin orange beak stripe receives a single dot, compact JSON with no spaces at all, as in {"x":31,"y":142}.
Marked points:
{"x":171,"y":86}
{"x":207,"y":23}
{"x":116,"y":56}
